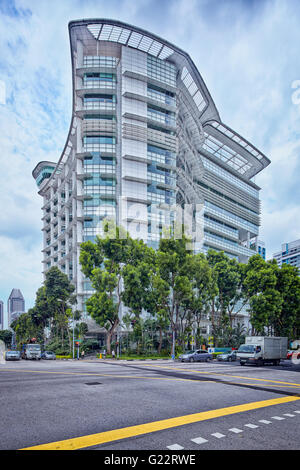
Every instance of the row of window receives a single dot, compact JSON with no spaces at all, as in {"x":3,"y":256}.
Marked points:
{"x":232,"y":201}
{"x":161,"y":70}
{"x":99,"y":61}
{"x":161,"y":115}
{"x":96,"y":159}
{"x":99,"y":140}
{"x":229,"y":177}
{"x":233,"y":217}
{"x":100,"y":77}
{"x":224,"y":227}
{"x":96,"y":178}
{"x":159,"y":94}
{"x":99,"y":98}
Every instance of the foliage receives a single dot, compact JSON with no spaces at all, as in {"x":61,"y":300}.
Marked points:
{"x":6,"y":337}
{"x":274,"y":297}
{"x":52,"y":309}
{"x":106,"y":263}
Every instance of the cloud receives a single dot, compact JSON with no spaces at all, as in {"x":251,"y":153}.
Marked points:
{"x":246,"y":51}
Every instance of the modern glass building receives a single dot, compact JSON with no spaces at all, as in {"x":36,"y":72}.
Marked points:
{"x":145,"y":135}
{"x":289,"y":254}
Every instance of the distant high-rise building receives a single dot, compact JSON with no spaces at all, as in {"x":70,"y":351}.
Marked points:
{"x":289,"y":254}
{"x":260,"y":248}
{"x":1,"y":315}
{"x":15,"y":305}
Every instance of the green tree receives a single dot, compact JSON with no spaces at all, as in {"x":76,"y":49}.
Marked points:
{"x":285,"y":321}
{"x":204,"y":289}
{"x":59,"y":298}
{"x":264,"y":299}
{"x":229,"y":296}
{"x":104,"y":263}
{"x":25,"y":328}
{"x":274,"y":297}
{"x":172,"y":261}
{"x":6,"y":337}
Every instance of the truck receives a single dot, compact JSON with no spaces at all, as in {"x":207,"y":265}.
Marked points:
{"x":261,"y":350}
{"x":31,"y":351}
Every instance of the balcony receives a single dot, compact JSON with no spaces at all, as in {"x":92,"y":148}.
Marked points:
{"x":96,"y":86}
{"x":99,"y":126}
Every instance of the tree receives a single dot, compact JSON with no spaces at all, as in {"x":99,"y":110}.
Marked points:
{"x":172,"y":261}
{"x":153,"y":292}
{"x":288,"y":285}
{"x":58,"y":296}
{"x":229,"y":295}
{"x":274,"y":297}
{"x":104,"y":263}
{"x":204,"y":289}
{"x":264,"y":299}
{"x":6,"y":337}
{"x":25,"y":328}
{"x":41,"y":313}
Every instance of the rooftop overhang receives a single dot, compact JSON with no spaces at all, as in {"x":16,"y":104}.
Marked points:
{"x":235,"y":151}
{"x":40,"y":166}
{"x":111,"y":32}
{"x":108,"y":31}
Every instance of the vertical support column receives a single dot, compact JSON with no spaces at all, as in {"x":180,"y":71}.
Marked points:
{"x":248,"y":239}
{"x":51,"y":223}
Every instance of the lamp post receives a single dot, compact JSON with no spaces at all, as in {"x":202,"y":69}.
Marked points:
{"x":73,"y":333}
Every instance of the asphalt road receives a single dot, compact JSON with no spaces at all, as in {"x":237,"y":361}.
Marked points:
{"x":149,"y":405}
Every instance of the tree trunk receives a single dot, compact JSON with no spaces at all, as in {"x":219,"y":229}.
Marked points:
{"x":109,"y":334}
{"x":160,"y":340}
{"x":108,"y":342}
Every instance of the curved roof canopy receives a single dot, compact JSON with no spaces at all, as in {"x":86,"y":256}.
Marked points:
{"x":90,"y":31}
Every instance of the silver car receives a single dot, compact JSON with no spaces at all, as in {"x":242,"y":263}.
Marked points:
{"x":48,"y":355}
{"x":228,"y":357}
{"x":196,"y":356}
{"x":12,"y":355}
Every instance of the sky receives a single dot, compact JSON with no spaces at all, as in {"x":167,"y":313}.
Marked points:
{"x":247,"y":52}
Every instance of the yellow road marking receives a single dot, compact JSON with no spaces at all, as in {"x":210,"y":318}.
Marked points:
{"x":132,"y":431}
{"x":158,"y":378}
{"x":225,"y":375}
{"x":104,"y":375}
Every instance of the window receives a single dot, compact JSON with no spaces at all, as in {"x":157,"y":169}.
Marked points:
{"x":100,"y":61}
{"x":161,"y":70}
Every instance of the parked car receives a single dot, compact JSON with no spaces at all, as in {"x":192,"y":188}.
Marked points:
{"x":229,"y":356}
{"x":48,"y":355}
{"x":291,"y":352}
{"x":12,"y":355}
{"x":196,"y":356}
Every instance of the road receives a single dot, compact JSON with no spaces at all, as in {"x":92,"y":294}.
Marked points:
{"x":149,"y":405}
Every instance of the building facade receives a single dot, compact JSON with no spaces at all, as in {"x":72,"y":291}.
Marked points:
{"x":259,"y":247}
{"x":289,"y":254}
{"x":15,"y":305}
{"x":1,"y":316}
{"x":145,"y":138}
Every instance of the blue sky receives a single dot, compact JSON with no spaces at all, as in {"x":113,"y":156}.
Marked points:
{"x":247,"y":52}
